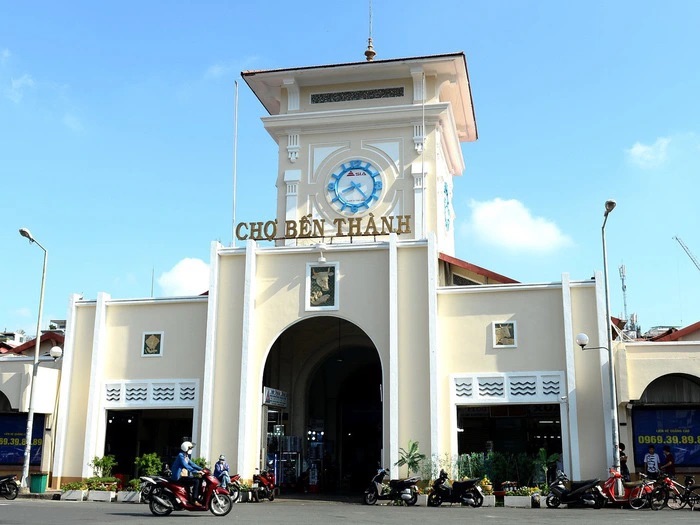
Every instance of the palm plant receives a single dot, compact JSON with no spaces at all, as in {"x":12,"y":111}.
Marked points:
{"x":410,"y":457}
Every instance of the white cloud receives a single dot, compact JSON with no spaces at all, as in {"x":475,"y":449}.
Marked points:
{"x":508,"y":224}
{"x":217,"y":71}
{"x":187,"y":277}
{"x":17,"y":87}
{"x":649,"y":156}
{"x":4,"y":55}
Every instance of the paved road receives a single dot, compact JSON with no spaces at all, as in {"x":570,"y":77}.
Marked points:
{"x":283,"y":512}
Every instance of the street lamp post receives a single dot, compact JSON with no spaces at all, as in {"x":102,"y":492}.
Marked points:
{"x":24,"y":232}
{"x":582,"y":341}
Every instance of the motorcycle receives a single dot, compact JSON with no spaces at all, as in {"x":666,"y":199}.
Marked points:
{"x":149,"y":482}
{"x":234,"y":487}
{"x":404,"y":490}
{"x":9,"y":486}
{"x":632,"y":493}
{"x":263,"y":485}
{"x":586,"y":492}
{"x":168,"y":496}
{"x":466,"y":492}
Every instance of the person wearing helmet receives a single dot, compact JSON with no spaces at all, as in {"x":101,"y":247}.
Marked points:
{"x":184,"y":463}
{"x":221,"y":471}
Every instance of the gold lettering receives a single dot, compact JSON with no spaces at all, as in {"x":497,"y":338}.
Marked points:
{"x":305,"y":227}
{"x":319,"y":227}
{"x":270,"y":230}
{"x":256,"y":231}
{"x":339,"y":227}
{"x":371,"y":228}
{"x":404,"y":224}
{"x":354,"y":226}
{"x":290,"y":229}
{"x":239,"y":235}
{"x":387,"y":224}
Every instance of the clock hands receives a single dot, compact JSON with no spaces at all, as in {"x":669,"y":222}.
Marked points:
{"x":355,"y":186}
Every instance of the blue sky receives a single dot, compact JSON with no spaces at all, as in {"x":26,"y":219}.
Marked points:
{"x":116,"y":133}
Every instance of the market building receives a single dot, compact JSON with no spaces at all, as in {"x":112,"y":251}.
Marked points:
{"x":345,"y":326}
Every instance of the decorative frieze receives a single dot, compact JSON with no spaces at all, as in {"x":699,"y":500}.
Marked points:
{"x":513,"y":387}
{"x":119,"y":394}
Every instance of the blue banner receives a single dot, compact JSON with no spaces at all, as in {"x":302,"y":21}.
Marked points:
{"x":679,"y":428}
{"x":13,"y":432}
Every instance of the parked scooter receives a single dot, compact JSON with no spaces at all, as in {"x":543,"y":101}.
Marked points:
{"x":399,"y":489}
{"x":234,"y":487}
{"x":466,"y":492}
{"x":9,"y":486}
{"x":581,"y":493}
{"x":168,"y":496}
{"x":263,"y":485}
{"x":633,"y":493}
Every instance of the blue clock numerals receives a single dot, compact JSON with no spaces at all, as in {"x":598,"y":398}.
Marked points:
{"x":355,"y":186}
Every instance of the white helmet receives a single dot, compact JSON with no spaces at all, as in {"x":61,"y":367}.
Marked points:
{"x":186,"y":446}
{"x":222,"y":458}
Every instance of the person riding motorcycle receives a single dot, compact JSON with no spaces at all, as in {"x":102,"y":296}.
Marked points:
{"x":221,"y":471}
{"x":183,"y":461}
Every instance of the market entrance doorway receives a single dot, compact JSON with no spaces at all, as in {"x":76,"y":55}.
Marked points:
{"x":328,"y":437}
{"x":132,"y":433}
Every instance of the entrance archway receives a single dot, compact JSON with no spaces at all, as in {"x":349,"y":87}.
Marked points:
{"x":329,"y":437}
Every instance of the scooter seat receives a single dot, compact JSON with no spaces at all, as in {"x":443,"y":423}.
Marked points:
{"x":631,"y":484}
{"x":579,"y":484}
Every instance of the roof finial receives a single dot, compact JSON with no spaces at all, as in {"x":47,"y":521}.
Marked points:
{"x":369,"y":52}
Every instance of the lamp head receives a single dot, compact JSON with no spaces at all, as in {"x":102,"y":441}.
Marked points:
{"x":609,"y":206}
{"x":582,"y":340}
{"x":56,"y":352}
{"x":24,"y":232}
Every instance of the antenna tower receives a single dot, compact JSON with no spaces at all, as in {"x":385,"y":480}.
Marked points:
{"x":624,"y":295}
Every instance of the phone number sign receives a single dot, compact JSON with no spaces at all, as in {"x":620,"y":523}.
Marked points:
{"x":13,"y":434}
{"x":658,"y":427}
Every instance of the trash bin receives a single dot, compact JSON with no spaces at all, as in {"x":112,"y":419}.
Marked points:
{"x":38,"y":482}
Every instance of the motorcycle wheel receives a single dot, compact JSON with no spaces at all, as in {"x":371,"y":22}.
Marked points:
{"x":657,"y":499}
{"x":234,"y":491}
{"x":271,"y":495}
{"x":413,"y":500}
{"x":12,"y":491}
{"x":478,"y":500}
{"x":434,"y":499}
{"x":599,"y":501}
{"x":157,"y":509}
{"x":553,"y":501}
{"x":638,"y":500}
{"x":146,"y":490}
{"x":220,"y":504}
{"x":370,"y":498}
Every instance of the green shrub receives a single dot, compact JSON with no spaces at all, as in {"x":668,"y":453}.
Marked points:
{"x":201,"y":462}
{"x":148,"y":464}
{"x":135,"y":484}
{"x":102,"y":483}
{"x":74,"y":485}
{"x":103,"y":466}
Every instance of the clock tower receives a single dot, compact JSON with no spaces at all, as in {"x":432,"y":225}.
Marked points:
{"x":368,"y":148}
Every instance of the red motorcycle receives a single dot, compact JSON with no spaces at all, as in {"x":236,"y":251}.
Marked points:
{"x":263,"y":485}
{"x":168,"y":496}
{"x":234,"y":487}
{"x":636,"y":494}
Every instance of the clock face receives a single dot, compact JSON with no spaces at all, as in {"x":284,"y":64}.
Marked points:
{"x":355,"y":186}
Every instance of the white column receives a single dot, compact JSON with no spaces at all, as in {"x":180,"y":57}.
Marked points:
{"x":291,"y":179}
{"x":600,"y":300}
{"x":210,"y":352}
{"x":95,"y":421}
{"x":418,"y":199}
{"x":433,"y":346}
{"x":249,"y":403}
{"x":61,"y":423}
{"x":393,"y":378}
{"x":569,"y":413}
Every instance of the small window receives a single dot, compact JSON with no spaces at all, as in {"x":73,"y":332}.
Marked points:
{"x":504,"y":335}
{"x":152,"y":344}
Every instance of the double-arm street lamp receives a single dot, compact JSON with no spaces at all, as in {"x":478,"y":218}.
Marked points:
{"x":582,"y":341}
{"x":24,"y":232}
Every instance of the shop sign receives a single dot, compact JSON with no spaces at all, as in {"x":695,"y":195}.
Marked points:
{"x":13,"y":432}
{"x":677,"y":428}
{"x":274,"y":398}
{"x":308,"y":227}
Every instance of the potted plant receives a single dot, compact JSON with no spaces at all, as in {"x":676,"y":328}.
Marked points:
{"x":74,"y":491}
{"x":133,"y":494}
{"x":519,"y":497}
{"x":487,"y":490}
{"x":410,"y":457}
{"x":244,"y":491}
{"x":102,"y":486}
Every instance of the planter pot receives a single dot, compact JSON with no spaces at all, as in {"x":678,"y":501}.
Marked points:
{"x":101,"y":495}
{"x":489,"y":501}
{"x":245,"y":496}
{"x":74,"y":495}
{"x":422,"y":500}
{"x":129,"y":496}
{"x":517,"y":501}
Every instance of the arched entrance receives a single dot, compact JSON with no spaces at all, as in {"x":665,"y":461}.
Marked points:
{"x":329,"y":436}
{"x":667,"y":414}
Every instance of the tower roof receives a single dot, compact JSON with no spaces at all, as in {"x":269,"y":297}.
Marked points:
{"x":449,"y":69}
